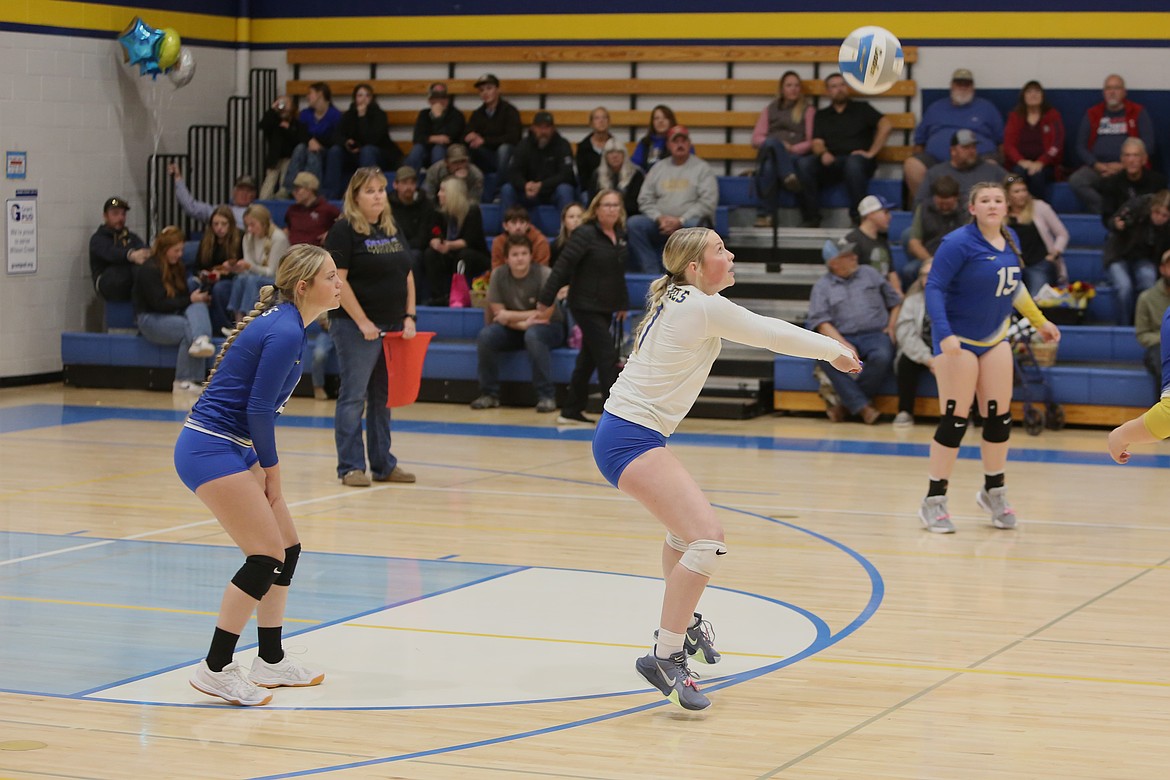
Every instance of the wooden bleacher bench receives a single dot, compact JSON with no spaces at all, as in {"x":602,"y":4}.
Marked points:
{"x":626,"y":88}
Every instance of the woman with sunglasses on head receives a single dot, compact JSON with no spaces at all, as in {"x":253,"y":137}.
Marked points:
{"x":1043,"y":237}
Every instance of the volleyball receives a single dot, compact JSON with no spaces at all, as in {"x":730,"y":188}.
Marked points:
{"x":871,"y":60}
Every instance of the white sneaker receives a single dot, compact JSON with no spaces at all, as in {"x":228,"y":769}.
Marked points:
{"x":287,"y":673}
{"x":230,"y":685}
{"x":201,"y":347}
{"x":904,"y":420}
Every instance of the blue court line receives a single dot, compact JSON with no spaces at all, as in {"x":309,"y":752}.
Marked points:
{"x":20,"y":418}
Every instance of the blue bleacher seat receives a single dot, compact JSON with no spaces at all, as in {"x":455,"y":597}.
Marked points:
{"x":1084,"y":230}
{"x":120,"y":315}
{"x":738,"y":191}
{"x":1084,"y":265}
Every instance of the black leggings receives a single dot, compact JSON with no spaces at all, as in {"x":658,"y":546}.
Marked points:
{"x":597,"y":351}
{"x":908,"y":373}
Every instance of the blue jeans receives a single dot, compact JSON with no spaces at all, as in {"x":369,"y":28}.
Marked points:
{"x":304,"y":160}
{"x":492,"y":160}
{"x":1037,"y":275}
{"x":539,"y":340}
{"x":773,"y":165}
{"x":423,"y":156}
{"x":322,"y":349}
{"x":362,"y":367}
{"x":646,"y":242}
{"x":855,"y":169}
{"x":561,"y":198}
{"x":340,"y":163}
{"x":1130,"y":278}
{"x":246,"y":292}
{"x":1084,"y":182}
{"x":875,"y":349}
{"x":168,"y":329}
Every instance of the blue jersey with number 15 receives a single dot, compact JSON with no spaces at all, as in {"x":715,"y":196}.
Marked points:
{"x":971,"y":288}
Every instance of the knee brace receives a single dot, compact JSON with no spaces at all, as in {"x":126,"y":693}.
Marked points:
{"x":257,"y":574}
{"x":291,"y":554}
{"x":675,"y":542}
{"x":997,"y":427}
{"x":951,"y":428}
{"x":703,"y":556}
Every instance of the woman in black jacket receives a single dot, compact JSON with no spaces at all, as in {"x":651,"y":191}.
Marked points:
{"x":456,"y":236}
{"x":593,"y":264}
{"x":362,"y":141}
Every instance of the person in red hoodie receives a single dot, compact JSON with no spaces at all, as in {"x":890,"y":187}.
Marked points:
{"x":1033,"y":139}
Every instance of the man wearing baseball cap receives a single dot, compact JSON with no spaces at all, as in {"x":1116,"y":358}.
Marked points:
{"x":680,"y":191}
{"x":871,"y":239}
{"x":494,"y":128}
{"x":855,"y":305}
{"x":114,"y":252}
{"x":243,"y":193}
{"x":542,"y":169}
{"x":310,"y":216}
{"x":964,"y":166}
{"x":457,"y":163}
{"x":435,"y":129}
{"x":961,"y":110}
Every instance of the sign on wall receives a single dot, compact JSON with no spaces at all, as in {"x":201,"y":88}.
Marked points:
{"x":21,"y":215}
{"x":16,"y":164}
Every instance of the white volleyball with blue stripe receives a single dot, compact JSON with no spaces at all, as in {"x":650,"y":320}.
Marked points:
{"x":871,"y":60}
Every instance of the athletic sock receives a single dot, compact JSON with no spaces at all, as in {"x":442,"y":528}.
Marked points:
{"x":271,"y":649}
{"x":938,"y":487}
{"x":668,"y":643}
{"x":223,"y":646}
{"x":992,"y":481}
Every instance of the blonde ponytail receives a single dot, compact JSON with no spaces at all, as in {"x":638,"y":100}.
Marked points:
{"x":685,"y":246}
{"x":654,"y":298}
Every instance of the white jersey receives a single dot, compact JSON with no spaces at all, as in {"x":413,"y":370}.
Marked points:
{"x":679,"y":344}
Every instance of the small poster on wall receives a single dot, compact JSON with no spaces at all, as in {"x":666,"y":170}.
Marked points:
{"x":16,"y":164}
{"x":21,"y":217}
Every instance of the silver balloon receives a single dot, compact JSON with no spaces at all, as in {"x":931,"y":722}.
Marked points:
{"x":183,"y":70}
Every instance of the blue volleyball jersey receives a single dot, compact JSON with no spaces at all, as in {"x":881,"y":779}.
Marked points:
{"x":254,"y":381}
{"x":1166,"y":354}
{"x":972,"y":288}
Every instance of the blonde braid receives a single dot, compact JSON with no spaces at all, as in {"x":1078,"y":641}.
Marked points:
{"x":1007,"y":236}
{"x":269,"y":297}
{"x":654,"y":297}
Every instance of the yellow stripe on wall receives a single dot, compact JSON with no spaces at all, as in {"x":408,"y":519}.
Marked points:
{"x":959,"y":26}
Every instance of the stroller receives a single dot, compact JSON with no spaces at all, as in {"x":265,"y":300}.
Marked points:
{"x":1040,"y":409}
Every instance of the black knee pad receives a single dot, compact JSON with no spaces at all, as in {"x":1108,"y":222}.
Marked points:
{"x":257,"y":574}
{"x":951,"y":428}
{"x":291,"y":554}
{"x":997,"y":427}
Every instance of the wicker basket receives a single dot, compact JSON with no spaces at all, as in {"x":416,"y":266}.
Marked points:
{"x":1045,"y":352}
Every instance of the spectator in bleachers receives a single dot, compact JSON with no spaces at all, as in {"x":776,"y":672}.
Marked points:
{"x":243,"y":193}
{"x":282,"y":132}
{"x":1140,"y":234}
{"x":115,"y":253}
{"x":456,"y":236}
{"x":263,"y":246}
{"x":1033,"y":139}
{"x":571,"y":218}
{"x":1133,"y":180}
{"x":457,"y":163}
{"x":1043,"y":237}
{"x":847,"y":136}
{"x":591,"y":147}
{"x":415,"y":215}
{"x":652,"y":147}
{"x":377,"y":297}
{"x":853,"y":304}
{"x":362,"y":141}
{"x":170,"y":313}
{"x":319,"y":123}
{"x":1147,"y":323}
{"x":494,"y":128}
{"x":871,"y":239}
{"x":1103,"y":130}
{"x":219,"y":251}
{"x":961,"y":110}
{"x":681,"y":192}
{"x":932,"y":220}
{"x":783,"y":132}
{"x":541,"y":170}
{"x":436,"y":128}
{"x":915,"y":351}
{"x":964,"y":166}
{"x":593,"y":265}
{"x":322,"y":349}
{"x":616,"y":172}
{"x":308,"y":219}
{"x":512,"y":296}
{"x":517,"y":223}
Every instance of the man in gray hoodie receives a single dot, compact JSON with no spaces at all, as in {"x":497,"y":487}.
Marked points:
{"x":679,"y":192}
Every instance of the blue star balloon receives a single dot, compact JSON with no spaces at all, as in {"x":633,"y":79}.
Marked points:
{"x":142,"y":43}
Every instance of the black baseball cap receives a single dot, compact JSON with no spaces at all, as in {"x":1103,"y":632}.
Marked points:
{"x":115,"y":203}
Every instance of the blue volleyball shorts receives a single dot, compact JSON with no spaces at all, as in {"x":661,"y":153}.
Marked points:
{"x":201,"y":457}
{"x":617,"y":442}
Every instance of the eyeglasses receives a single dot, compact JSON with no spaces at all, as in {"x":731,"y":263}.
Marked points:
{"x":1013,"y":179}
